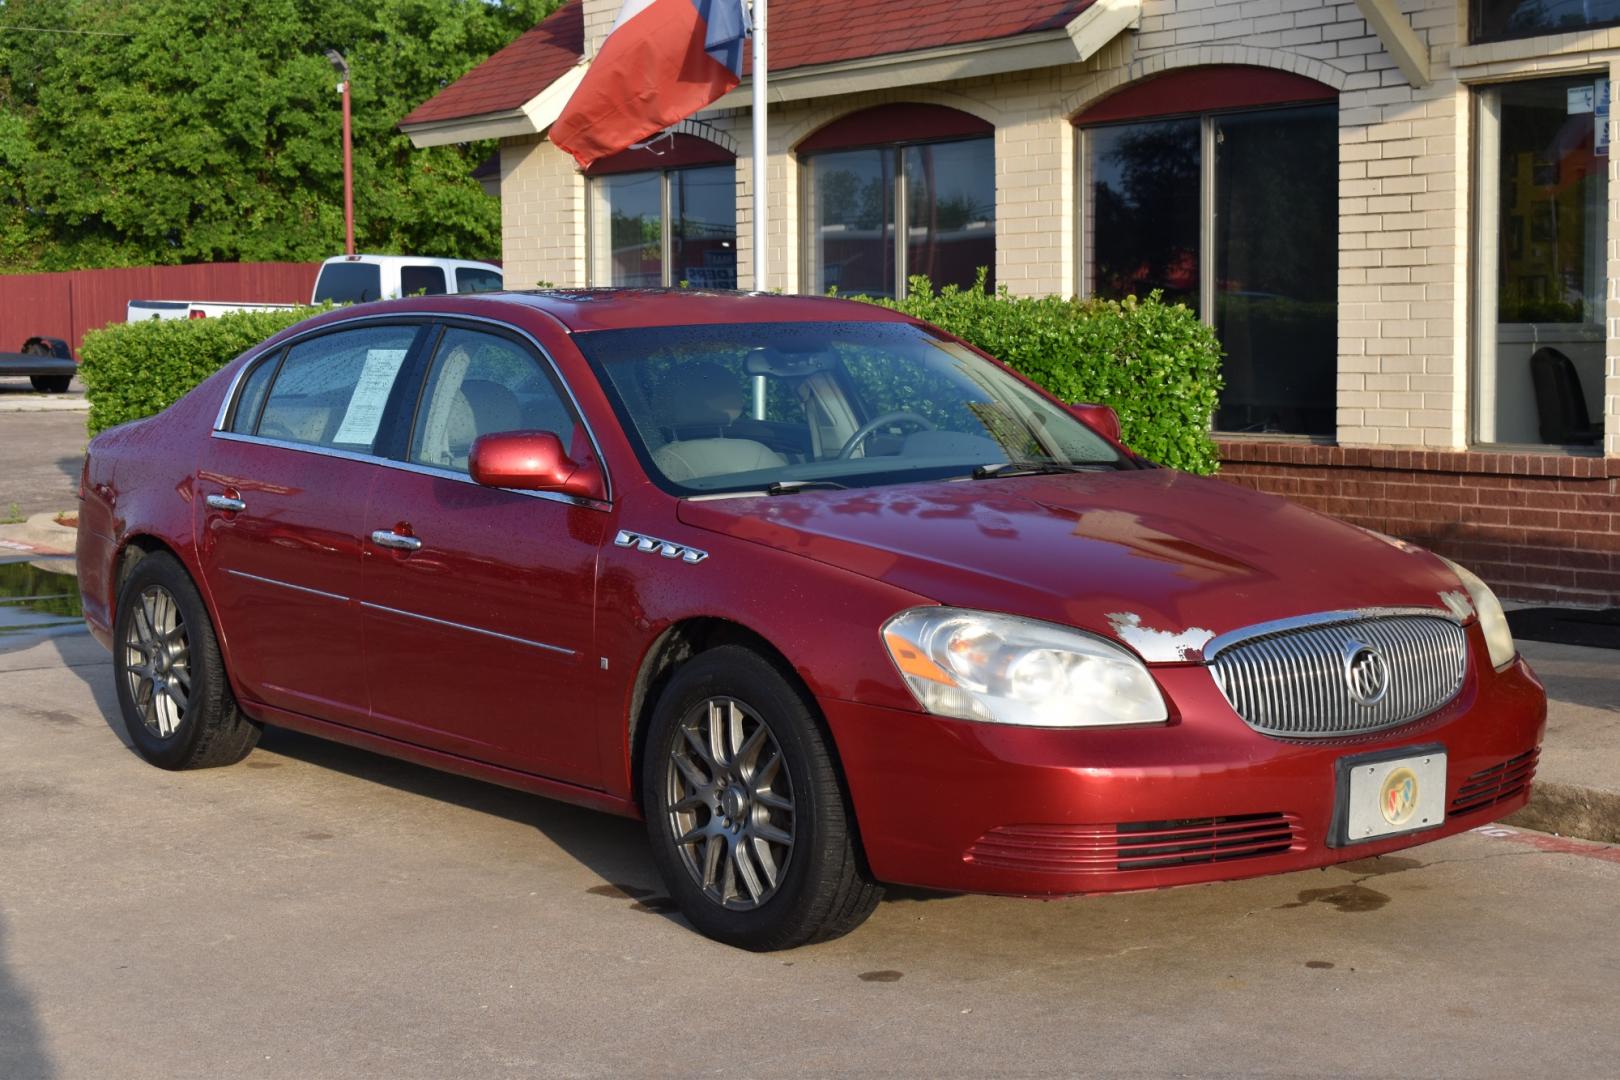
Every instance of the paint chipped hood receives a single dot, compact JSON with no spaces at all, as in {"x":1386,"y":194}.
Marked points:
{"x":1158,"y":559}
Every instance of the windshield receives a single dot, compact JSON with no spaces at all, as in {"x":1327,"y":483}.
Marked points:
{"x":775,"y":406}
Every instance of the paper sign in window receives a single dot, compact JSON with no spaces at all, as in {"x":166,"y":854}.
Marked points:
{"x":365,"y":412}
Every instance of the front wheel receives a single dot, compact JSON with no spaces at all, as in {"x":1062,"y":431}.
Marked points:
{"x":51,"y":384}
{"x":747,"y":818}
{"x":177,"y":703}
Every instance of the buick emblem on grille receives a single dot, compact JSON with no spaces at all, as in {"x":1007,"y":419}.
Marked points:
{"x":1366,"y":672}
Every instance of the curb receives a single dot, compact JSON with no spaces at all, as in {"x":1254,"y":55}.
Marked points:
{"x":32,"y":403}
{"x":1570,"y":810}
{"x":39,"y":535}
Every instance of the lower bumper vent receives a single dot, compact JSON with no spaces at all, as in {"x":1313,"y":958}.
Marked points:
{"x":1496,"y":784}
{"x":1136,"y":845}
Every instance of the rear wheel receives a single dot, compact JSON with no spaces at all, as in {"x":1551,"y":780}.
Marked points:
{"x":748,"y":820}
{"x":172,"y":690}
{"x":51,"y":384}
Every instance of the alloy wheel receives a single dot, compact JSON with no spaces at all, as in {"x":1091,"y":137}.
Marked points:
{"x":730,"y":803}
{"x":157,"y":661}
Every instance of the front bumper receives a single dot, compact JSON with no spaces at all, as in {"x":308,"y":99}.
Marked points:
{"x":962,"y":806}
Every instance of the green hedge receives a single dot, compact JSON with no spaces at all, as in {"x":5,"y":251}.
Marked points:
{"x":131,"y":370}
{"x":1155,"y":363}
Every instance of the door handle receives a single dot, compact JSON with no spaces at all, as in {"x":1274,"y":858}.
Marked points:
{"x":226,"y":502}
{"x":389,"y":539}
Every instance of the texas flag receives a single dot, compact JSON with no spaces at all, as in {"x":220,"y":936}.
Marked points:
{"x":662,"y":61}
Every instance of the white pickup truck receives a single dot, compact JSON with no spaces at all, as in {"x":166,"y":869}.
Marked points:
{"x":348,"y":279}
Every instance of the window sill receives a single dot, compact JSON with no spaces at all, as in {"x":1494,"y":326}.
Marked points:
{"x":1540,"y":47}
{"x":1274,"y":437}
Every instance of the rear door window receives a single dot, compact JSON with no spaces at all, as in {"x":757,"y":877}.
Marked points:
{"x":245,"y":417}
{"x":334,"y":390}
{"x":421,"y":280}
{"x":348,"y":283}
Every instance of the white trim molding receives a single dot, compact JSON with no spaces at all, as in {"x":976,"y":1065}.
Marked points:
{"x":1077,"y":41}
{"x":533,"y":117}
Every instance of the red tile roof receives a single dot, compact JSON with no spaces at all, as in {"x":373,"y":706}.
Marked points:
{"x":512,"y":76}
{"x":808,"y":32}
{"x":803,"y":33}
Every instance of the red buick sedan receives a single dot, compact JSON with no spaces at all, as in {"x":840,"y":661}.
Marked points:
{"x":825,"y":595}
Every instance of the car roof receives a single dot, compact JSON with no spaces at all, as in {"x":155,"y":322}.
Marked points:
{"x":585,"y":310}
{"x":409,"y":260}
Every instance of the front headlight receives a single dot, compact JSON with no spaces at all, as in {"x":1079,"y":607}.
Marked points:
{"x":975,"y":665}
{"x":1492,"y":619}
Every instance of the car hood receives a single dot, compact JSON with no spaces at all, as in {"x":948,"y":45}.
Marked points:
{"x":1158,"y":559}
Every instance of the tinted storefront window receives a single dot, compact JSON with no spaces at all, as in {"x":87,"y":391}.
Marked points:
{"x":1494,"y":20}
{"x":852,"y":221}
{"x":950,"y":210}
{"x":1542,"y":282}
{"x":703,"y":205}
{"x":1276,"y":269}
{"x":633,"y":244}
{"x":629,"y":238}
{"x":1144,"y":209}
{"x":1259,"y":262}
{"x":942,"y":194}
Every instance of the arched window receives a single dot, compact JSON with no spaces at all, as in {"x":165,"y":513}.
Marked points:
{"x":1219,"y":186}
{"x":894,"y":191}
{"x":665,"y":214}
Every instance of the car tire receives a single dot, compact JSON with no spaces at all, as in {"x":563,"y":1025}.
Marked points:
{"x":51,"y":384}
{"x":172,"y":689}
{"x":736,"y":758}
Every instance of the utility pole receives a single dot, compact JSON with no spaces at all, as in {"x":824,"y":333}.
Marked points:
{"x":341,"y":66}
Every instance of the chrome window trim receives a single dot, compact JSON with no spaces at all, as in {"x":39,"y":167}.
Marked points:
{"x":1325,"y":618}
{"x":470,"y":629}
{"x":407,"y":466}
{"x":289,"y":585}
{"x":444,"y":319}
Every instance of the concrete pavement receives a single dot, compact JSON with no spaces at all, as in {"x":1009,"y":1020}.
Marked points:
{"x":1577,"y":789}
{"x":40,"y":454}
{"x":18,"y":395}
{"x":322,"y":912}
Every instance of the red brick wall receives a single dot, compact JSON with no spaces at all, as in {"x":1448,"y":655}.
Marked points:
{"x":1537,"y":527}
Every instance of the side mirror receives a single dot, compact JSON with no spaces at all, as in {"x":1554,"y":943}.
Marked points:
{"x":531,"y":461}
{"x":1099,"y":418}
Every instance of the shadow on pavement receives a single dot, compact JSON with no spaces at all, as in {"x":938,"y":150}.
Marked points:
{"x":613,"y":848}
{"x":22,"y":1044}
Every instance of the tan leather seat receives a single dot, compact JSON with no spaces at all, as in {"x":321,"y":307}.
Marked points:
{"x":693,"y":458}
{"x":707,"y":396}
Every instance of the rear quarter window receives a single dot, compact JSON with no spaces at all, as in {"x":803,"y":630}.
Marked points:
{"x":423,"y":280}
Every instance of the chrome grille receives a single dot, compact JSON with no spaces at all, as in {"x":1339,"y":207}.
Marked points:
{"x":1301,"y":684}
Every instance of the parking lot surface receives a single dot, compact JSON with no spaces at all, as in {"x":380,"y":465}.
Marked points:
{"x":41,"y":452}
{"x":318,"y":911}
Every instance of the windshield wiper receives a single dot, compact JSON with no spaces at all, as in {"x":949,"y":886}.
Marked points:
{"x":1041,"y":468}
{"x":788,"y":487}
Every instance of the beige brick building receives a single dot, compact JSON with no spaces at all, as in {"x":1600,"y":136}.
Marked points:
{"x":1400,"y":215}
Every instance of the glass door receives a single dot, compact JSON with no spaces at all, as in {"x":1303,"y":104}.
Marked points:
{"x":1541,"y":222}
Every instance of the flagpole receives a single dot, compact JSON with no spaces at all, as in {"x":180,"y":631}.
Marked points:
{"x":761,"y":156}
{"x":761,"y":147}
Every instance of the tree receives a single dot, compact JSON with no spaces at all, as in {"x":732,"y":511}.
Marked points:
{"x":209,"y":130}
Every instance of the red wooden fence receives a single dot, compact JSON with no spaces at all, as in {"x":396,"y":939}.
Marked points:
{"x":67,"y":304}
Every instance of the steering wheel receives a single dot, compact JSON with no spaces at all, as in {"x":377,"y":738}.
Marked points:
{"x":866,"y":429}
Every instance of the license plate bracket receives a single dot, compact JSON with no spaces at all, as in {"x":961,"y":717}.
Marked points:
{"x":1388,"y":793}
